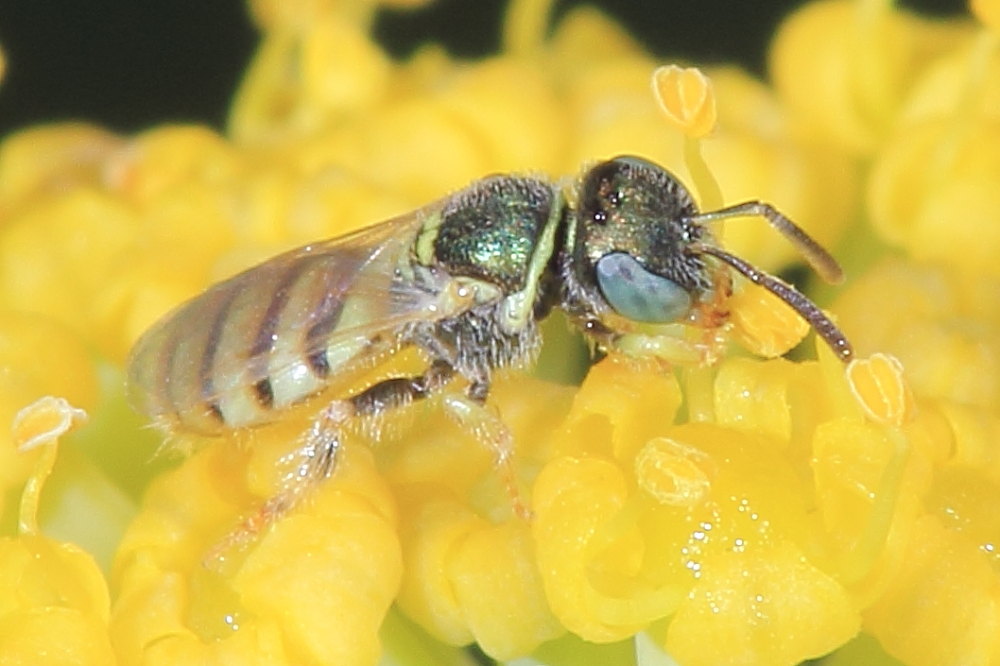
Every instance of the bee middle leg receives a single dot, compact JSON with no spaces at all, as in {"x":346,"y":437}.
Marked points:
{"x":470,"y":412}
{"x":710,"y":318}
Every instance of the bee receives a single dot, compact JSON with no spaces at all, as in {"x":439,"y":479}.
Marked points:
{"x":623,"y":251}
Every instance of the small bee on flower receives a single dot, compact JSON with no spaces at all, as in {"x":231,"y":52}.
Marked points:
{"x":625,"y":254}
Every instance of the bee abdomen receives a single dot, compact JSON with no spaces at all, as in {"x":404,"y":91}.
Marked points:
{"x":244,"y":349}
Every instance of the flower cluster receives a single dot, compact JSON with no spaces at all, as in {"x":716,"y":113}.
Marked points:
{"x":760,"y":511}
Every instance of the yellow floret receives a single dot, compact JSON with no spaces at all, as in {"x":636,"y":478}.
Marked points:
{"x":335,"y":563}
{"x":467,"y":579}
{"x":942,"y":327}
{"x":933,"y":193}
{"x":54,"y":600}
{"x":57,"y":255}
{"x":768,"y":607}
{"x":302,"y":80}
{"x":36,"y":163}
{"x":942,"y":606}
{"x":620,"y":549}
{"x":868,"y":484}
{"x":771,"y":398}
{"x":53,"y":605}
{"x":842,"y":67}
{"x":481,"y":579}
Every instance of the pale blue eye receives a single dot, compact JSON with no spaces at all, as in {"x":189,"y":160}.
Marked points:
{"x":637,"y":294}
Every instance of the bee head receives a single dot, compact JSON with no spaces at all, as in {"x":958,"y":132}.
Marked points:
{"x":633,"y":238}
{"x":638,"y":248}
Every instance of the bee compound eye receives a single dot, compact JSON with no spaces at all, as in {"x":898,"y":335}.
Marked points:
{"x":635,"y":293}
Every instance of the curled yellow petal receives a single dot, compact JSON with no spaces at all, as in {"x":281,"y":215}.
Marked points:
{"x":342,"y":68}
{"x":60,"y":253}
{"x":573,"y":499}
{"x":868,"y":482}
{"x":299,"y":15}
{"x":757,"y":606}
{"x":933,"y":192}
{"x":468,"y":580}
{"x":53,"y":605}
{"x":38,"y":162}
{"x":842,"y":68}
{"x":941,"y":606}
{"x":878,"y":384}
{"x":763,"y":396}
{"x":943,"y":329}
{"x":686,"y":98}
{"x":610,"y":414}
{"x":497,"y":582}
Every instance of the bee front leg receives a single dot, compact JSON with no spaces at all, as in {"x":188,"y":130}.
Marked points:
{"x":673,"y":350}
{"x":472,"y":414}
{"x":316,"y":459}
{"x":709,"y":318}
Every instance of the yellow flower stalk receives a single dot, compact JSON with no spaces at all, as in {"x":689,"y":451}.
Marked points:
{"x":772,"y":508}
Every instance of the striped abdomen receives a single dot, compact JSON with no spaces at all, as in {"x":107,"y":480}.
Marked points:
{"x":275,"y":334}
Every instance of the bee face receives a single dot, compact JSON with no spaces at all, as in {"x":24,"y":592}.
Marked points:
{"x":635,"y":227}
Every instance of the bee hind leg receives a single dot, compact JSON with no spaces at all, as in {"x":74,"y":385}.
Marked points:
{"x":316,"y":459}
{"x":313,"y":461}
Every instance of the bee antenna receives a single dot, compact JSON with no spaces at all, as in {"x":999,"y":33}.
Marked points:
{"x":821,"y":260}
{"x":821,"y":323}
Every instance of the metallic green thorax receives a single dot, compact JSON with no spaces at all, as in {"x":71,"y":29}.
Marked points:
{"x":490,"y":230}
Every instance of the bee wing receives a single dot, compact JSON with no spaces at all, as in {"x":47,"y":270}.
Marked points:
{"x":271,"y":335}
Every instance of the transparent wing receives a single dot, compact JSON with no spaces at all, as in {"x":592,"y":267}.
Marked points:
{"x":277,"y":332}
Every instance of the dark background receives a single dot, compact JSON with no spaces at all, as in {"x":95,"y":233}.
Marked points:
{"x":129,"y":64}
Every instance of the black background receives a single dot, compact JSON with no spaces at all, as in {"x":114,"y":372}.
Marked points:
{"x":129,"y":64}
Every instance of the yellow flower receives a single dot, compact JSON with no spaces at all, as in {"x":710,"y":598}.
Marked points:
{"x":759,"y":511}
{"x":843,"y":67}
{"x":335,"y":563}
{"x":54,"y":601}
{"x":54,"y":607}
